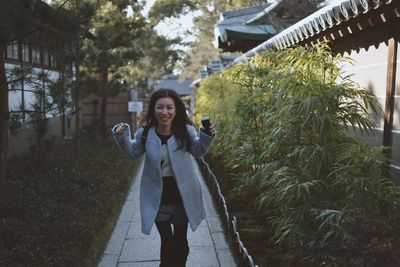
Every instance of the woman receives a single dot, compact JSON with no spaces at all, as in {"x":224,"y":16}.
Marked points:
{"x":170,"y":192}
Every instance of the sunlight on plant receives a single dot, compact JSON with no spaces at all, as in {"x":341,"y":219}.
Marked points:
{"x":283,"y":124}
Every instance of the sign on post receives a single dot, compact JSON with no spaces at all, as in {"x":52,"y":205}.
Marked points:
{"x":135,"y":106}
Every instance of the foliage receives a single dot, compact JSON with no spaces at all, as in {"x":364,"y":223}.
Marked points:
{"x":155,"y":60}
{"x":48,"y":96}
{"x":59,"y":208}
{"x":11,"y":27}
{"x":170,"y":8}
{"x":109,"y":47}
{"x":202,"y":50}
{"x":121,"y":51}
{"x":61,"y":92}
{"x":284,"y":128}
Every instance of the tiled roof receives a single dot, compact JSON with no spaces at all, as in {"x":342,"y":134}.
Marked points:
{"x":324,"y":21}
{"x":244,"y":28}
{"x":243,"y":11}
{"x":261,"y":15}
{"x":173,"y":82}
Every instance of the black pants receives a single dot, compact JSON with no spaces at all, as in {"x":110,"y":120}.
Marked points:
{"x":174,"y":244}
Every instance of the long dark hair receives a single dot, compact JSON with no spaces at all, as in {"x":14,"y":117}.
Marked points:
{"x":178,"y":124}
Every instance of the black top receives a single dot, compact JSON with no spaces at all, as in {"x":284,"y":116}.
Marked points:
{"x":163,"y":138}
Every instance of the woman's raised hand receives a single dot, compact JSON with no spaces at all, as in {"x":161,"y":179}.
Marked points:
{"x":212,"y":129}
{"x":120,"y":128}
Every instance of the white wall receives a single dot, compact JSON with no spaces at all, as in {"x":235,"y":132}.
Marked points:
{"x":370,"y":71}
{"x":15,"y":97}
{"x":26,"y":136}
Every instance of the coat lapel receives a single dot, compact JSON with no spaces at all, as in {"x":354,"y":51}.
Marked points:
{"x":153,"y":135}
{"x":172,"y":144}
{"x":153,"y":146}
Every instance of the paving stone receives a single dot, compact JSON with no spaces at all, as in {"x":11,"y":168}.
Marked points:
{"x":133,"y":192}
{"x":127,"y":211}
{"x":225,"y":258}
{"x":145,"y":249}
{"x":117,"y":239}
{"x":139,"y":264}
{"x":131,"y":195}
{"x":202,"y":257}
{"x":129,"y":247}
{"x":214,"y":224}
{"x":108,"y":261}
{"x":136,"y":215}
{"x":201,"y":237}
{"x":210,"y":211}
{"x":135,"y":231}
{"x":220,"y":241}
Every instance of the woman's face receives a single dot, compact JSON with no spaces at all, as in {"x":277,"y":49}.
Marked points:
{"x":165,"y":111}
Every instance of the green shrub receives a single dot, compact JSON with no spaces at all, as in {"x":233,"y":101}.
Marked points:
{"x":58,"y":209}
{"x":284,"y":127}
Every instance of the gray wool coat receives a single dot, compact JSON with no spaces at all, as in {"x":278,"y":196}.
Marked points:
{"x":182,"y":166}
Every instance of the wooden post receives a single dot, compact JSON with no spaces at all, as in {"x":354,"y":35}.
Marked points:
{"x":4,"y":113}
{"x":77,"y":106}
{"x":389,"y":105}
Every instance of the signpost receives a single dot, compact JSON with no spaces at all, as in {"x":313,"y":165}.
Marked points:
{"x":135,"y":107}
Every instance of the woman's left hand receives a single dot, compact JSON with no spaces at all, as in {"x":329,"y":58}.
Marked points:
{"x":210,"y":130}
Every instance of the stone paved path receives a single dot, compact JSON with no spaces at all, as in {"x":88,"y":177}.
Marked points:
{"x":129,"y":247}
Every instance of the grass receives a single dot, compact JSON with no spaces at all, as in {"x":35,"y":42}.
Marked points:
{"x":59,"y":207}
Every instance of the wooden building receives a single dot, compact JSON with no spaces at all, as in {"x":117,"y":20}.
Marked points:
{"x":369,"y":32}
{"x":245,"y":28}
{"x":42,"y":51}
{"x":242,"y":29}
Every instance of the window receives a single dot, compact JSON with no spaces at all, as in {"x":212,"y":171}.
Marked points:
{"x":45,"y":53}
{"x":25,"y":53}
{"x":12,"y":50}
{"x":35,"y":55}
{"x":52,"y":57}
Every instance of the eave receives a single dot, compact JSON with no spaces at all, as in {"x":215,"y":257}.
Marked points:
{"x":348,"y":25}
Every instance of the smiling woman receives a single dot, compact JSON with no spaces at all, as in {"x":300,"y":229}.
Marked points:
{"x":170,"y":192}
{"x":165,"y":112}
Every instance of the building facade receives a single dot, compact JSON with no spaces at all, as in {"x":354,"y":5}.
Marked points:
{"x":39,"y":78}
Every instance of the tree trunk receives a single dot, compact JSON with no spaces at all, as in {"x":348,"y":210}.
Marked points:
{"x":4,"y":127}
{"x":63,"y":124}
{"x":63,"y":104}
{"x":77,"y":108}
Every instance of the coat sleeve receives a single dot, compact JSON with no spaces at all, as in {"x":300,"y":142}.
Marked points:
{"x":132,"y":149}
{"x":200,"y":142}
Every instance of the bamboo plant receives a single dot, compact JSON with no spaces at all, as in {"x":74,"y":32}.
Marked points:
{"x":284,"y":120}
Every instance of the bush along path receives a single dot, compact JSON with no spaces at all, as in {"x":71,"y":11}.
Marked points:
{"x":252,"y":228}
{"x":284,"y":119}
{"x":59,"y":207}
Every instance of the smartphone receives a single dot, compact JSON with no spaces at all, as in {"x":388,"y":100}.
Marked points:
{"x":205,"y":122}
